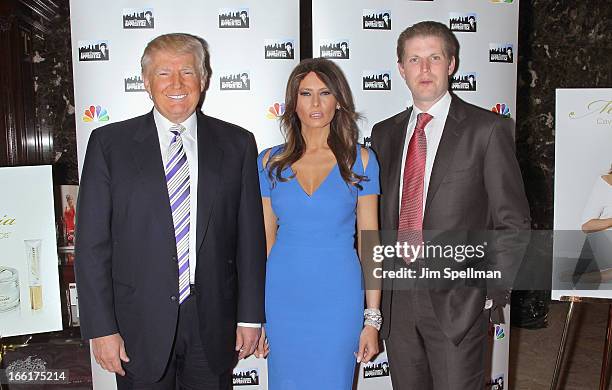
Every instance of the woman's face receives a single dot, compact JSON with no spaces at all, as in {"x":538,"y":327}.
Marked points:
{"x":316,"y":105}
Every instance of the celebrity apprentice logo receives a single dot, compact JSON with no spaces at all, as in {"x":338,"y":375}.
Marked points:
{"x":464,"y":82}
{"x":133,"y":84}
{"x":501,"y":109}
{"x":234,"y":18}
{"x":376,"y":19}
{"x":501,"y":52}
{"x":377,"y":370}
{"x":138,"y":18}
{"x":496,"y":383}
{"x":502,"y":1}
{"x":235,"y":82}
{"x":462,"y":22}
{"x":335,"y":49}
{"x":376,"y":80}
{"x":367,"y":142}
{"x":245,"y":378}
{"x":93,"y":50}
{"x":279,"y":49}
{"x":95,"y":114}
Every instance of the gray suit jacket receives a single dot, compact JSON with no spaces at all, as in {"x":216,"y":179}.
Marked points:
{"x":475,"y":185}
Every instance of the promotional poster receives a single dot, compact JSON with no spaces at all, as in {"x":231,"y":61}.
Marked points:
{"x":29,"y":280}
{"x":583,"y":192}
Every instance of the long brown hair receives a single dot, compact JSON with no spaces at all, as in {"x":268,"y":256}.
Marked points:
{"x":343,"y":133}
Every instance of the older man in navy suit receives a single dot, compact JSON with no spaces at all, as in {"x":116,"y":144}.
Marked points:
{"x":170,"y":251}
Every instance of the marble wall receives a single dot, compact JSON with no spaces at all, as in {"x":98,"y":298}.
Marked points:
{"x":562,"y":44}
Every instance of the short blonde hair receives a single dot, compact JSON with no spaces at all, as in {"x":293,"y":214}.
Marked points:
{"x":178,"y":43}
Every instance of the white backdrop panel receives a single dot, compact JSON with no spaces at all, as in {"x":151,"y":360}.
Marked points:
{"x":373,"y":52}
{"x":111,"y":81}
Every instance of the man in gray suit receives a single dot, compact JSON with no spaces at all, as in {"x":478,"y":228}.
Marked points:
{"x":446,"y":165}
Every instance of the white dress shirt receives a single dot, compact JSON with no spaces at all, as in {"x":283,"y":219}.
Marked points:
{"x":433,"y":133}
{"x":190,"y":145}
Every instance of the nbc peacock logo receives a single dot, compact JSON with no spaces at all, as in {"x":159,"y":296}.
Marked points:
{"x":96,"y":114}
{"x":502,"y":109}
{"x":275,"y":111}
{"x":499,"y":332}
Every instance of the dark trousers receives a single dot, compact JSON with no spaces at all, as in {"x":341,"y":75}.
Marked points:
{"x":188,"y":367}
{"x":421,"y":357}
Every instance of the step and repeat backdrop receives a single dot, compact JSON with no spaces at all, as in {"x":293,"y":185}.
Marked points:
{"x":252,"y":47}
{"x":361,"y":37}
{"x":255,"y":45}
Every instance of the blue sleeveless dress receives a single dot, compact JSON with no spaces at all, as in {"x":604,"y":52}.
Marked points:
{"x":314,"y":294}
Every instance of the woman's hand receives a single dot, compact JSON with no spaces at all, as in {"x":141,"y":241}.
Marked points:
{"x":263,"y":347}
{"x":368,"y":344}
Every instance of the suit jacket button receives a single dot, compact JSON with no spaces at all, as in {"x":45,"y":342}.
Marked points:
{"x":173,"y":258}
{"x":173,"y":298}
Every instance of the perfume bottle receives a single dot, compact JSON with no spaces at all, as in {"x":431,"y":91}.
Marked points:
{"x":33,"y":257}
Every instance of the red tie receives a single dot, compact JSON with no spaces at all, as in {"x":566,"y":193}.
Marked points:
{"x":411,"y":211}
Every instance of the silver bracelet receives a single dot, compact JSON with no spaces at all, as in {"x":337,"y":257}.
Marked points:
{"x":373,"y":318}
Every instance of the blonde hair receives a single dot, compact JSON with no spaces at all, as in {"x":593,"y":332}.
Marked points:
{"x":178,"y":43}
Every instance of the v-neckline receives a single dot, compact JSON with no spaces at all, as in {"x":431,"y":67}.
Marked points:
{"x":320,"y":184}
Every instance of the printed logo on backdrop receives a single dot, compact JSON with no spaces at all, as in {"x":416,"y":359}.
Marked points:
{"x":334,"y":49}
{"x":275,"y":111}
{"x":367,"y":142}
{"x":239,"y":81}
{"x":600,"y":109}
{"x":502,"y":109}
{"x":500,"y":334}
{"x":245,"y":378}
{"x":376,"y":19}
{"x":95,"y":114}
{"x":234,"y":18}
{"x":138,"y":18}
{"x":93,"y":50}
{"x":376,"y":80}
{"x":133,"y":84}
{"x":462,"y":22}
{"x":501,"y":52}
{"x":502,"y":1}
{"x":377,"y":370}
{"x":464,"y":82}
{"x":279,"y":49}
{"x":496,"y":383}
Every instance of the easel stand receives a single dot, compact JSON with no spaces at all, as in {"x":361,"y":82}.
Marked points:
{"x":605,"y":363}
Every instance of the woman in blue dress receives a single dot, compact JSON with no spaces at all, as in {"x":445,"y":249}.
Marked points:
{"x":316,"y":189}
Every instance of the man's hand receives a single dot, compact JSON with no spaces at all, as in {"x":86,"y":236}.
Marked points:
{"x":246,"y":340}
{"x":109,"y":352}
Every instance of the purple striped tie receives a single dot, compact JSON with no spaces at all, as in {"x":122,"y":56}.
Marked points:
{"x":177,"y":179}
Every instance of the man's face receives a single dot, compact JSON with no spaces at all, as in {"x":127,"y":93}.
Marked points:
{"x":425,"y":68}
{"x":148,"y":17}
{"x":288,"y":47}
{"x":103,"y":49}
{"x":174,"y":83}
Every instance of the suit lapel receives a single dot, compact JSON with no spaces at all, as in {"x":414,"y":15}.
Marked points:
{"x":446,"y":150}
{"x":210,"y":160}
{"x":147,"y":158}
{"x":396,"y":148}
